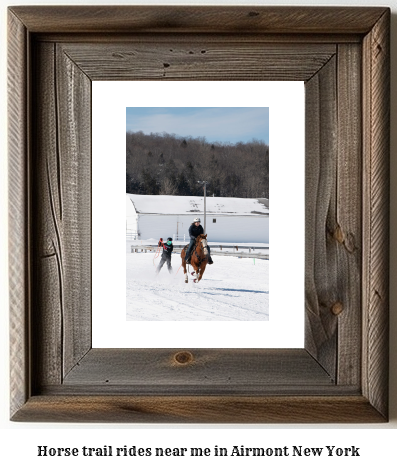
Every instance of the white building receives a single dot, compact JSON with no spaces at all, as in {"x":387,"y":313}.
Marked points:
{"x":227,"y":219}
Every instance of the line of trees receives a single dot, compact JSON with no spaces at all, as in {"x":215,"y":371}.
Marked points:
{"x":166,"y":164}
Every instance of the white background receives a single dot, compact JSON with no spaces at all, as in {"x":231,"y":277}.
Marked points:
{"x":286,"y":110}
{"x":19,"y":441}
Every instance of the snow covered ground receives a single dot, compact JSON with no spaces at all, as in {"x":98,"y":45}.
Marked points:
{"x":231,"y":289}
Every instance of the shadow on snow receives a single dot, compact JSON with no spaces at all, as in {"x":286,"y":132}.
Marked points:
{"x":238,"y":290}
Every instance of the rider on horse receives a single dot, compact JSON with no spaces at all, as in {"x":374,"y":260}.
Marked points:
{"x":195,"y":230}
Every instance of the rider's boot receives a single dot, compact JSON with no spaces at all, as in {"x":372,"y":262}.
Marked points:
{"x":210,"y":261}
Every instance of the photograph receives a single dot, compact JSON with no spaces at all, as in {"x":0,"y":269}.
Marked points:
{"x":197,"y":213}
{"x":185,"y":150}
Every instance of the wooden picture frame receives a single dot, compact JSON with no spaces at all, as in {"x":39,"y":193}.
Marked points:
{"x":342,"y":54}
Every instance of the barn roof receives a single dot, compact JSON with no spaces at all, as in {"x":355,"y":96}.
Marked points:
{"x":190,"y":205}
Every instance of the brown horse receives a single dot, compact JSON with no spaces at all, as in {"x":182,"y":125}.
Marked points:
{"x":198,"y":259}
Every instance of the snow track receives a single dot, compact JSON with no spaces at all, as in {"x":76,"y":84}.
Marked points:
{"x":231,"y":289}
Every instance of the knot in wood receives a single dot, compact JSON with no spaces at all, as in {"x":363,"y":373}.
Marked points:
{"x":337,"y":308}
{"x":338,"y":235}
{"x":183,"y":358}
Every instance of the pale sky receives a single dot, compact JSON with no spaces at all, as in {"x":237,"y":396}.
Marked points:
{"x":215,"y":124}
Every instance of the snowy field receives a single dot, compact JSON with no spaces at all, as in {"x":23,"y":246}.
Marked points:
{"x":231,"y":289}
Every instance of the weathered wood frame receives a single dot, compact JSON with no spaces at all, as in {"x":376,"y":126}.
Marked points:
{"x":342,"y":54}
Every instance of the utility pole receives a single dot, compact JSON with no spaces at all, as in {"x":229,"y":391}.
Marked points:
{"x":205,"y":202}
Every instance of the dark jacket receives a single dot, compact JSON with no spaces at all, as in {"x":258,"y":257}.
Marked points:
{"x":167,"y":249}
{"x":194,"y":230}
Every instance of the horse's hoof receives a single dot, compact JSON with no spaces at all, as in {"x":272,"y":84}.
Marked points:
{"x":186,"y":281}
{"x":195,"y":281}
{"x":193,"y":273}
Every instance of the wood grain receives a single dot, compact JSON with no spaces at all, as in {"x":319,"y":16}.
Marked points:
{"x":333,"y":215}
{"x":74,"y":125}
{"x":199,"y":409}
{"x":228,"y":369}
{"x":341,"y":375}
{"x":197,"y":19}
{"x":62,"y":205}
{"x":214,"y":59}
{"x":376,"y":90}
{"x":48,"y":296}
{"x":321,"y":261}
{"x":18,"y":222}
{"x":347,"y":226}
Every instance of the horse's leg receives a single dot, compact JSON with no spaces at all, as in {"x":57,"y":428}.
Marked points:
{"x":196,"y":271}
{"x":202,"y":270}
{"x":194,"y":266}
{"x":185,"y":272}
{"x":184,"y":265}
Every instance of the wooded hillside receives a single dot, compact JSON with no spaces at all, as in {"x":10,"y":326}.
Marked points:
{"x":171,"y":165}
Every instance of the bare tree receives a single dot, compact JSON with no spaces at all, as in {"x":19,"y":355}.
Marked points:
{"x":169,"y":164}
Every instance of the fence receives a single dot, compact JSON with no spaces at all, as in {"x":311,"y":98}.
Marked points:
{"x":131,"y":235}
{"x":250,"y":251}
{"x":179,"y":237}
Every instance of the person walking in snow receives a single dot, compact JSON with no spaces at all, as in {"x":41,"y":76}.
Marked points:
{"x":196,"y":229}
{"x":166,"y":254}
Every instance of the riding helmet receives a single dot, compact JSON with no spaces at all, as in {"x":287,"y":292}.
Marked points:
{"x":197,"y":220}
